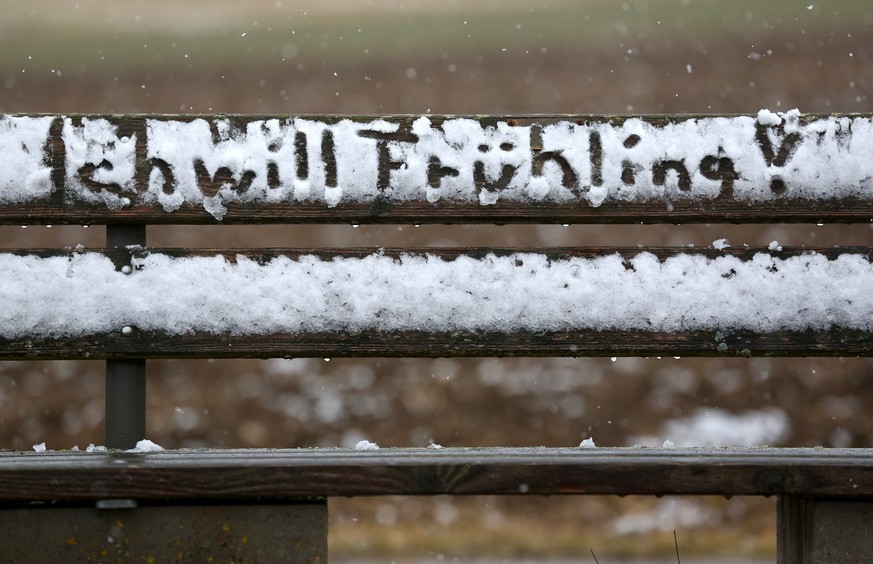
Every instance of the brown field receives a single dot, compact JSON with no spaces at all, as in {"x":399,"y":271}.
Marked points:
{"x":412,"y":57}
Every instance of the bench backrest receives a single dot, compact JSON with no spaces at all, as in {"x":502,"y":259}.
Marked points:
{"x":130,"y":301}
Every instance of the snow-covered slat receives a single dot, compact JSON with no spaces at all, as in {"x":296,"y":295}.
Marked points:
{"x":766,"y":167}
{"x":177,"y":303}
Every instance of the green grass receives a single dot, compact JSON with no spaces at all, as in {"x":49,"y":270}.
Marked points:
{"x":36,"y":43}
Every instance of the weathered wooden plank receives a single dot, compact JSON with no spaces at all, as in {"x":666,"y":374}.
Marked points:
{"x":283,"y":474}
{"x":266,"y":254}
{"x":443,"y":169}
{"x":838,"y":210}
{"x":423,"y":344}
{"x":146,"y":330}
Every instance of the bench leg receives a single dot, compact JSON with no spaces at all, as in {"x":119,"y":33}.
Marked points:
{"x":288,"y":532}
{"x":819,"y":531}
{"x":125,"y":379}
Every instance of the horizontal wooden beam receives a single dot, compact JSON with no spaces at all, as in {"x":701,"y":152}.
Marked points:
{"x":283,"y":474}
{"x":125,"y":321}
{"x":426,"y":344}
{"x":838,"y":210}
{"x":164,"y":169}
{"x":266,"y":254}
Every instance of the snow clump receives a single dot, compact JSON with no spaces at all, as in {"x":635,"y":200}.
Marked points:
{"x":366,"y":445}
{"x":146,"y":445}
{"x":587,"y":443}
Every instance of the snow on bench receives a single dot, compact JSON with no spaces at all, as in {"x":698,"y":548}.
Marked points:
{"x":385,"y":169}
{"x":232,"y":293}
{"x":129,"y":170}
{"x":128,"y":302}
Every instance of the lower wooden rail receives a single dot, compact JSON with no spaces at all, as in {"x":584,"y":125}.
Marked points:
{"x":294,"y":473}
{"x":825,"y":509}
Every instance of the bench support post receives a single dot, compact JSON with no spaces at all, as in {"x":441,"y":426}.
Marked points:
{"x":820,"y":530}
{"x":125,"y":379}
{"x":125,"y":402}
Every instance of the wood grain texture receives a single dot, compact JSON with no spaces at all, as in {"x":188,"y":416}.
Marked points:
{"x":283,"y":474}
{"x":398,"y":344}
{"x":843,"y":211}
{"x":266,"y":254}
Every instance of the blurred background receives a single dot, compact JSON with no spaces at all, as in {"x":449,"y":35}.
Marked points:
{"x":470,"y":57}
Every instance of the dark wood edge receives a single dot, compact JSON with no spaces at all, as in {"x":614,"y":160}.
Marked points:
{"x":259,"y":473}
{"x":424,"y":344}
{"x":265,"y":254}
{"x":488,"y":119}
{"x":842,"y":210}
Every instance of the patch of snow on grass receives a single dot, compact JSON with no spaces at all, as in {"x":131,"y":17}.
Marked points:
{"x":669,"y":515}
{"x":719,"y":428}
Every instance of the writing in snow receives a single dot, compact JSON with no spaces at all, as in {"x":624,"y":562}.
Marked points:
{"x":210,"y":162}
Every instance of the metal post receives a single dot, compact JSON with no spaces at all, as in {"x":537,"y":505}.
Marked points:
{"x":125,"y":379}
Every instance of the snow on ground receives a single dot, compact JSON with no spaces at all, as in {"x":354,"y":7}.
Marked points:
{"x":669,"y":515}
{"x":717,"y":428}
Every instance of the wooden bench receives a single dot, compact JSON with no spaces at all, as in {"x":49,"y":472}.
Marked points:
{"x":127,"y":302}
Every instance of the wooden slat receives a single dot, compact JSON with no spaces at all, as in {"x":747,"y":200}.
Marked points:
{"x":265,"y":254}
{"x":840,"y":211}
{"x":399,"y":344}
{"x":63,"y":206}
{"x":576,"y":342}
{"x":278,"y":474}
